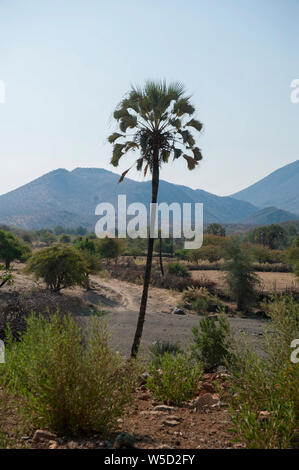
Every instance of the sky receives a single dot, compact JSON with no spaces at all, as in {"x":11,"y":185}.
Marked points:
{"x":67,"y":64}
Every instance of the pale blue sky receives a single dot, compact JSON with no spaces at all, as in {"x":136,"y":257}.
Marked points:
{"x":67,"y":63}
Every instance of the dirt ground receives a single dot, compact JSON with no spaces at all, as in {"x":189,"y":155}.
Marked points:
{"x":119,"y":301}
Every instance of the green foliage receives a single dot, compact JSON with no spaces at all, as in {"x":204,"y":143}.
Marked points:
{"x":60,"y":266}
{"x":264,"y":388}
{"x":216,"y":229}
{"x":178,"y":269}
{"x":156,"y":116}
{"x":110,"y":248}
{"x":6,"y":277}
{"x":160,"y":348}
{"x":211,"y":342}
{"x":274,"y":236}
{"x":292,"y":256}
{"x":176,"y":380}
{"x":64,"y":238}
{"x":200,"y":299}
{"x":240,"y":275}
{"x":11,"y":248}
{"x":46,"y":236}
{"x":69,"y":381}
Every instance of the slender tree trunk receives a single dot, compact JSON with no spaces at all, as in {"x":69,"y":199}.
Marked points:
{"x":149,"y":259}
{"x":160,"y":255}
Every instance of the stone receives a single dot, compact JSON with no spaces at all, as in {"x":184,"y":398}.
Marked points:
{"x":125,"y":439}
{"x":41,"y":435}
{"x":72,"y":445}
{"x":165,"y":408}
{"x":171,"y":422}
{"x":178,"y":311}
{"x":53,"y":445}
{"x":207,"y":399}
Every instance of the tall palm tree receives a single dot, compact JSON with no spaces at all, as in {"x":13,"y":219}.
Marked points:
{"x":154,"y":120}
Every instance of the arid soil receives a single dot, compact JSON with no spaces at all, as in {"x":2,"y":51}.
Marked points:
{"x":203,"y":423}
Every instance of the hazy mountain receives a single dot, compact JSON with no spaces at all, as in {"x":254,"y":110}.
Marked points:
{"x":269,"y":215}
{"x":279,"y":189}
{"x":69,"y":198}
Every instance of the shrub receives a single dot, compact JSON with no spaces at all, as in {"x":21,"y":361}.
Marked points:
{"x":292,"y":256}
{"x":6,"y":277}
{"x":160,"y":348}
{"x":211,"y":342}
{"x":264,"y":389}
{"x":201,"y":299}
{"x":60,"y":266}
{"x":240,"y":277}
{"x":64,"y":238}
{"x":69,"y":382}
{"x":178,"y":269}
{"x":176,"y":380}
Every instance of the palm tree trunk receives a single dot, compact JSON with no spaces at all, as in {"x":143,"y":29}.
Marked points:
{"x":160,"y":255}
{"x":149,"y":259}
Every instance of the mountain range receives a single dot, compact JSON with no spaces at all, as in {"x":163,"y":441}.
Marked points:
{"x":69,"y":198}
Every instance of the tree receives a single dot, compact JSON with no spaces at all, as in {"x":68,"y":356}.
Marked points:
{"x":110,"y":248}
{"x":11,"y":248}
{"x":216,"y":229}
{"x":60,"y":266}
{"x":155,"y":120}
{"x":240,"y":277}
{"x":272,"y":236}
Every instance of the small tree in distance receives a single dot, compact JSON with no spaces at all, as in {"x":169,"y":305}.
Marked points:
{"x":216,"y":229}
{"x":240,"y":277}
{"x":11,"y":248}
{"x":60,"y":266}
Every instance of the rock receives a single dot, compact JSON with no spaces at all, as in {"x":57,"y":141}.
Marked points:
{"x":214,"y":316}
{"x":53,"y":445}
{"x":144,"y":378}
{"x":178,"y":311}
{"x":72,"y":445}
{"x":208,"y":388}
{"x":164,"y":408}
{"x":125,"y":439}
{"x":171,"y":422}
{"x":120,"y":421}
{"x":41,"y":435}
{"x":264,"y":415}
{"x":208,"y":399}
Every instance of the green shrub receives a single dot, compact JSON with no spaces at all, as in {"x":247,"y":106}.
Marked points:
{"x":160,"y":348}
{"x":176,"y":380}
{"x":69,"y":382}
{"x":178,"y":269}
{"x":200,"y":299}
{"x":264,"y":389}
{"x":6,"y":277}
{"x":60,"y":266}
{"x":240,"y":277}
{"x":211,"y":342}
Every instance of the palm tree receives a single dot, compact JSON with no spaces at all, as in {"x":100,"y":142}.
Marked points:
{"x":154,"y":120}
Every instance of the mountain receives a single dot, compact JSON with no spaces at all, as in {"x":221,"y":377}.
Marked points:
{"x":279,"y":189}
{"x":269,"y":215}
{"x":69,"y":198}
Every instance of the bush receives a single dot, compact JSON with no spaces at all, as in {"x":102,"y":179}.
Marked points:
{"x":211,"y":342}
{"x":200,"y":299}
{"x":6,"y":277}
{"x":176,"y":380}
{"x":60,"y":266}
{"x":69,"y":382}
{"x":292,"y":256}
{"x":178,"y":269}
{"x":264,"y":389}
{"x":160,"y":348}
{"x":240,"y":277}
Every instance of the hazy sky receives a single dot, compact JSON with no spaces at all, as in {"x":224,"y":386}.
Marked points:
{"x":67,"y":63}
